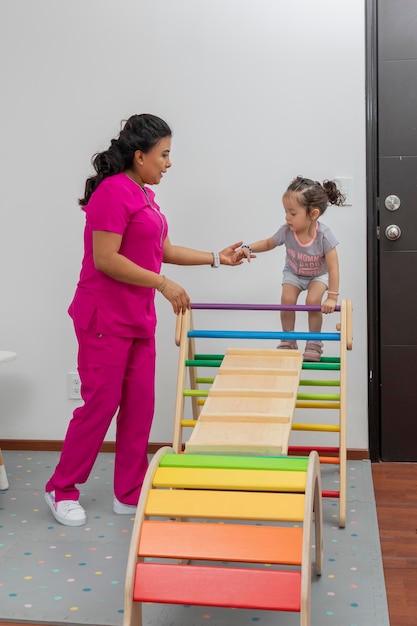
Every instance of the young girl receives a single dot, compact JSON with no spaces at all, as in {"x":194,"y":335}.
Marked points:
{"x":311,"y":259}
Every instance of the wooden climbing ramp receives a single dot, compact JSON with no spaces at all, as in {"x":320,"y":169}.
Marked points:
{"x":226,"y":518}
{"x":227,"y":531}
{"x":250,"y":406}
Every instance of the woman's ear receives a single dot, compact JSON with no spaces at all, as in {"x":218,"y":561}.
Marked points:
{"x":139,"y":157}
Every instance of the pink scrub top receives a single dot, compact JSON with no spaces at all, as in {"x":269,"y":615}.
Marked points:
{"x":103,"y":304}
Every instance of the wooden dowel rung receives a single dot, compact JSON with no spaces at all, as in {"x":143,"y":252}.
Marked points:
{"x":315,"y":404}
{"x":329,"y":460}
{"x":318,"y":396}
{"x":249,"y":393}
{"x":188,"y":423}
{"x":304,"y":382}
{"x":326,"y":428}
{"x":202,"y":363}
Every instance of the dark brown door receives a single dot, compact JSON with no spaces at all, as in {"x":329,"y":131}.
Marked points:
{"x":397,"y":203}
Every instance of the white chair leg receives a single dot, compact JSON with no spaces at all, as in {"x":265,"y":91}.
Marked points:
{"x":4,"y":483}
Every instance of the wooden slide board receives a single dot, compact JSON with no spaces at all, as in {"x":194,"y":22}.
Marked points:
{"x":250,"y":406}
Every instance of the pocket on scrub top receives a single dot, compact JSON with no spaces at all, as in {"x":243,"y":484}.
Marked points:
{"x":83,"y":311}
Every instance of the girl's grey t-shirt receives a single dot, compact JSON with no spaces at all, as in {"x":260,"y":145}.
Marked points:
{"x":306,"y":259}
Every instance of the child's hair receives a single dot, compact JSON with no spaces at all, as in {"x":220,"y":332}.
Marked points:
{"x":311,"y":193}
{"x":140,"y":132}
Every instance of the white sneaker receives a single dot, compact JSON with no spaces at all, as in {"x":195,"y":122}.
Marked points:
{"x":123,"y":509}
{"x":66,"y":512}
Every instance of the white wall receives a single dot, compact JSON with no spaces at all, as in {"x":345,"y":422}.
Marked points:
{"x":256,"y":93}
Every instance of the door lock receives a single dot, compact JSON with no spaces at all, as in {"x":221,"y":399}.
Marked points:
{"x":392,"y":203}
{"x":393,"y":232}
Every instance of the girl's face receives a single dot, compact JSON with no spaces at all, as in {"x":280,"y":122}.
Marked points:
{"x":152,"y":165}
{"x":296,"y":214}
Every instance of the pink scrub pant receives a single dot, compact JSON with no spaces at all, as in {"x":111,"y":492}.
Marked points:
{"x":117,"y":375}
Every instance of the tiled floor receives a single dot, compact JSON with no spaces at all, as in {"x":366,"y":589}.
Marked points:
{"x":52,"y":573}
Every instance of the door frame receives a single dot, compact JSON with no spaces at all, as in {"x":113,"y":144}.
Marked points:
{"x":372,"y":199}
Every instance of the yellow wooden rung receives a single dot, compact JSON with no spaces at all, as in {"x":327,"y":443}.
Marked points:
{"x":249,"y":393}
{"x":188,"y":423}
{"x":233,"y":479}
{"x":225,"y":505}
{"x":315,"y":404}
{"x":327,"y":428}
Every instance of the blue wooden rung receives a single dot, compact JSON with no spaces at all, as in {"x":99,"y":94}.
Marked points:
{"x":254,"y":334}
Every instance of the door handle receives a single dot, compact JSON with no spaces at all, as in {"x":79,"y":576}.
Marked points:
{"x":393,"y":232}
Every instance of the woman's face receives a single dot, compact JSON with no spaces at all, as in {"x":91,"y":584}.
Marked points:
{"x":152,"y":165}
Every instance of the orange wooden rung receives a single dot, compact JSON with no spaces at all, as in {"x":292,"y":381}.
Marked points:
{"x":272,"y":590}
{"x":329,"y":460}
{"x":221,"y":542}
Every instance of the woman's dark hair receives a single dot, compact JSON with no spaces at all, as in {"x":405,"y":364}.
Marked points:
{"x":140,"y":132}
{"x":311,"y":193}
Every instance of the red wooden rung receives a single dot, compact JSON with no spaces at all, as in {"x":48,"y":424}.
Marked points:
{"x":318,"y":449}
{"x":272,"y":590}
{"x":326,"y":493}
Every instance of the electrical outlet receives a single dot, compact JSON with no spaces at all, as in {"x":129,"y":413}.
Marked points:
{"x":74,"y":386}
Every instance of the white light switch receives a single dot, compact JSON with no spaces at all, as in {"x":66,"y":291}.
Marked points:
{"x":345,"y":184}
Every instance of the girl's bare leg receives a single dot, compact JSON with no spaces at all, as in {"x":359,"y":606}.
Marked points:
{"x":289,"y":296}
{"x":314,"y":297}
{"x":314,"y":347}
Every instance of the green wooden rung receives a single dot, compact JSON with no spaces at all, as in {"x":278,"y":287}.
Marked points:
{"x":202,"y":363}
{"x":318,"y":396}
{"x":195,"y":393}
{"x":320,"y":366}
{"x":312,"y":383}
{"x":279,"y":463}
{"x":303,"y":383}
{"x":203,"y":393}
{"x":215,"y":360}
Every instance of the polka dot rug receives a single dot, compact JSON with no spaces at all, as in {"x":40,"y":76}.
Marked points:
{"x":55,"y":574}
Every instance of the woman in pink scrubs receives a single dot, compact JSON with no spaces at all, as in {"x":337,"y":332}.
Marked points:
{"x":125,"y":242}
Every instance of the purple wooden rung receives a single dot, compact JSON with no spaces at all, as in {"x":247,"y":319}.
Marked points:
{"x":256,"y":307}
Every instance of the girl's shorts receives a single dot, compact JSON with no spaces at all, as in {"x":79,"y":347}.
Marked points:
{"x":288,"y":278}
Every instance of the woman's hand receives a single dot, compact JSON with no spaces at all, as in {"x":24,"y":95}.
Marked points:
{"x":177,"y":296}
{"x":234,"y":254}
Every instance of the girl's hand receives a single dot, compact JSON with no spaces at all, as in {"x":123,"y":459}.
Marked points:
{"x":328,"y":305}
{"x":234,"y":254}
{"x":238,"y":256}
{"x":177,"y":296}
